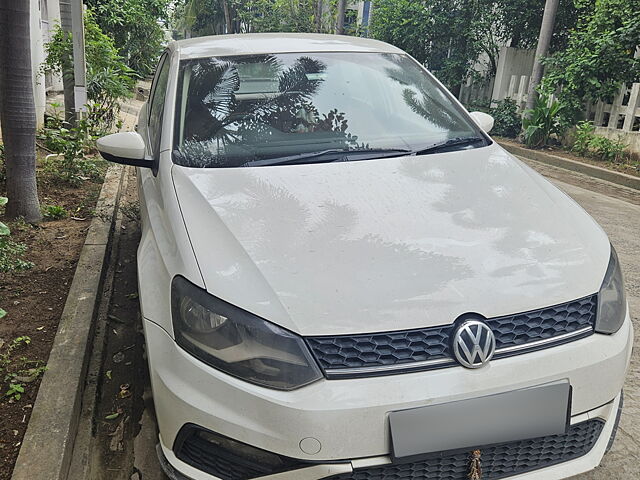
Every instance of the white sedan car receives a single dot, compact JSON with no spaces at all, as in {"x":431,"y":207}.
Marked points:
{"x":343,"y":277}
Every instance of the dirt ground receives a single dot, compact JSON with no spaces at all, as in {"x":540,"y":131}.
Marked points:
{"x":34,"y":300}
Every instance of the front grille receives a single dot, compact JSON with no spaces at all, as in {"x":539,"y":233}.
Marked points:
{"x":427,"y":348}
{"x":499,"y":461}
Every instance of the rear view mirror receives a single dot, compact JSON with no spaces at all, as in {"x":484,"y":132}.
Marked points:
{"x":127,"y":148}
{"x":483,"y":120}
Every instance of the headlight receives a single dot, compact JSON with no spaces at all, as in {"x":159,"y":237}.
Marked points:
{"x":238,"y":342}
{"x":612,"y":302}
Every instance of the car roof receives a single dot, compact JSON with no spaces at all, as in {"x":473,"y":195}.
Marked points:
{"x":260,"y":43}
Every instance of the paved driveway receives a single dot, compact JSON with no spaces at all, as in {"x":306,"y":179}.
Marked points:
{"x":617,"y":209}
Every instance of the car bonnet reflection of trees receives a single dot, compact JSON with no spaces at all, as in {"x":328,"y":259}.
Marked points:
{"x":223,"y":125}
{"x":330,"y":250}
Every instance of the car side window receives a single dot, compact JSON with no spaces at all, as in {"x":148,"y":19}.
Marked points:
{"x":156,"y":105}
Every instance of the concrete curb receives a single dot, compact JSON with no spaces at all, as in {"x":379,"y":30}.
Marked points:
{"x":561,"y":162}
{"x":48,"y":442}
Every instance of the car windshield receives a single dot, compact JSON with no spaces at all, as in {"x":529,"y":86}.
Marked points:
{"x":302,"y":107}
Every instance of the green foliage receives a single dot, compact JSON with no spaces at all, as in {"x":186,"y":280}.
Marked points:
{"x":447,"y":37}
{"x":69,"y":164}
{"x":583,"y":136}
{"x":15,"y":391}
{"x":507,"y":119}
{"x":18,"y":372}
{"x":606,"y":149}
{"x":4,"y":230}
{"x":109,"y":79}
{"x":542,"y":121}
{"x":136,"y":29}
{"x":54,"y":212}
{"x":587,"y":143}
{"x":3,"y":168}
{"x":520,"y":22}
{"x":599,"y":57}
{"x":10,"y":251}
{"x":279,"y":15}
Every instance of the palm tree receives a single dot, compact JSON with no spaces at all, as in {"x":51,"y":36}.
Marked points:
{"x":17,"y":111}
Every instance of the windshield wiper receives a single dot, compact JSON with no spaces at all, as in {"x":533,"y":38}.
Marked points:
{"x":452,"y":142}
{"x":338,"y":154}
{"x":331,"y":155}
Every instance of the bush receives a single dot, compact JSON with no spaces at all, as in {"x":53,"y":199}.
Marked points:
{"x":584,"y":135}
{"x":507,"y":119}
{"x":542,"y":121}
{"x":589,"y":144}
{"x":69,"y":164}
{"x":607,"y":150}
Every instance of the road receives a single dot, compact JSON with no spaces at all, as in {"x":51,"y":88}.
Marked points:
{"x":616,"y":208}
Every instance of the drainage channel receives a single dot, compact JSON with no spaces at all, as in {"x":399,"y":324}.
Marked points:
{"x":113,"y":441}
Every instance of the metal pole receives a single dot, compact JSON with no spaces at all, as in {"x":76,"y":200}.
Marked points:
{"x":79,"y":68}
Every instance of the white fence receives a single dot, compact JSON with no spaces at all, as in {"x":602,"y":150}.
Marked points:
{"x":619,"y":120}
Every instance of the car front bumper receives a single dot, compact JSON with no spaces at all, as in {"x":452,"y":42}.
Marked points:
{"x":347,"y":419}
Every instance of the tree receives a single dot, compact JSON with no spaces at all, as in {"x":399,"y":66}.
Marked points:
{"x":447,"y":36}
{"x":544,"y":40}
{"x":284,"y":16}
{"x":600,"y":56}
{"x":17,"y":111}
{"x":109,"y":80}
{"x":199,"y":17}
{"x":520,"y":20}
{"x":134,"y":26}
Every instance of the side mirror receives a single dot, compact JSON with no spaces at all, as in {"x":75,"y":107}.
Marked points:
{"x":127,"y":148}
{"x":484,"y":120}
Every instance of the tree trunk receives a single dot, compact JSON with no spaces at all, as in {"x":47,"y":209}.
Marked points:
{"x":18,"y":111}
{"x":342,"y":8}
{"x":68,"y":79}
{"x":319,"y":13}
{"x":227,"y":16}
{"x":546,"y":32}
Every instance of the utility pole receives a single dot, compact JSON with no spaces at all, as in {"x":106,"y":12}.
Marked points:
{"x":342,"y":8}
{"x":544,"y":40}
{"x":74,"y":75}
{"x":79,"y":67}
{"x":67,"y":69}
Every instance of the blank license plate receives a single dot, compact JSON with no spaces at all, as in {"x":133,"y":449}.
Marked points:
{"x":506,"y":417}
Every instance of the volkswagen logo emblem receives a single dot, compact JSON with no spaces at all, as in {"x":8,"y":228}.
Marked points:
{"x":474,"y":344}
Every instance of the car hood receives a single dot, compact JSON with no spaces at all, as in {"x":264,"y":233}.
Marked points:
{"x":389,"y":244}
